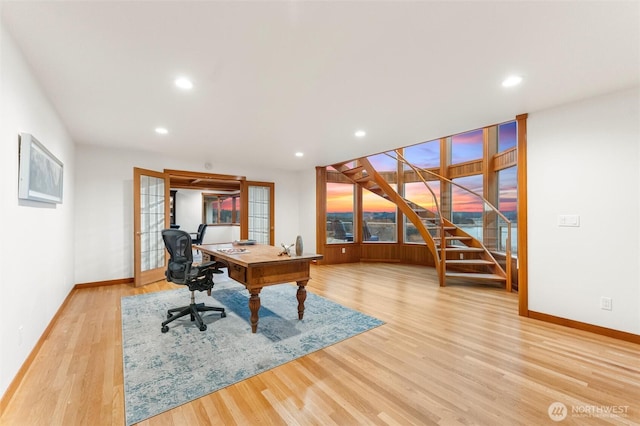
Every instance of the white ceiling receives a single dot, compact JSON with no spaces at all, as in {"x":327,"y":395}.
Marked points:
{"x":272,"y":78}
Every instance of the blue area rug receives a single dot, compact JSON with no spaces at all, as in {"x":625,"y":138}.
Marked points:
{"x":163,"y":371}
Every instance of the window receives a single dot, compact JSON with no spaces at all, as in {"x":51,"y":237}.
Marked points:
{"x":425,"y":155}
{"x":467,"y":209}
{"x":507,"y":136}
{"x":340,"y":212}
{"x":507,"y":204}
{"x":221,"y":209}
{"x":432,"y":186}
{"x":466,"y":147}
{"x":419,"y":194}
{"x":379,"y":218}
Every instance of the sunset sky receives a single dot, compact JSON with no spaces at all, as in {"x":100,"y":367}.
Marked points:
{"x":464,"y":147}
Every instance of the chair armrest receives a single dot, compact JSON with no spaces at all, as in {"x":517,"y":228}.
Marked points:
{"x":215,"y":265}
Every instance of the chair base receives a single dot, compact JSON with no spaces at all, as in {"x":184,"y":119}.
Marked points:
{"x":194,"y":310}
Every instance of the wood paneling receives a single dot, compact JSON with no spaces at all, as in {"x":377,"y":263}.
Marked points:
{"x":450,"y":355}
{"x":468,"y":168}
{"x":413,"y":254}
{"x":333,"y":253}
{"x":505,"y":159}
{"x":380,"y":252}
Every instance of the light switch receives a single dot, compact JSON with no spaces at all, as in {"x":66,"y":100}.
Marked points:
{"x":569,"y":220}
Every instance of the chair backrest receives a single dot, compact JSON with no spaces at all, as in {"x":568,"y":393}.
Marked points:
{"x":178,"y":244}
{"x":202,"y":229}
{"x":339,"y":231}
{"x":366,"y":233}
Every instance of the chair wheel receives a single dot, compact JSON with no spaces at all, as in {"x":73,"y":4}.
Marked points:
{"x":223,"y":315}
{"x":203,"y":327}
{"x":164,"y":329}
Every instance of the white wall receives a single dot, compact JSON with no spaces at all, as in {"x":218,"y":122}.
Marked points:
{"x":189,"y":216}
{"x":583,"y":159}
{"x":36,"y":255}
{"x":104,"y":206}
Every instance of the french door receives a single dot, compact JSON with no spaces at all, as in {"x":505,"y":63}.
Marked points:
{"x":257,"y":211}
{"x":150,"y":217}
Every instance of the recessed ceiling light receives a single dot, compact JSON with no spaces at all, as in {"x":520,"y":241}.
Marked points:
{"x":184,"y":83}
{"x":161,"y":131}
{"x":299,"y":154}
{"x":360,"y":134}
{"x":512,"y":80}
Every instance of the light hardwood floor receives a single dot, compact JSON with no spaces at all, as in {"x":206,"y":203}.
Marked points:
{"x":458,"y":355}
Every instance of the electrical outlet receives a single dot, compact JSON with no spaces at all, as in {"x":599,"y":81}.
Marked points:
{"x":344,"y":250}
{"x":606,"y":303}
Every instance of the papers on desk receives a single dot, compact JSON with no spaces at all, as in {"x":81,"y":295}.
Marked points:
{"x":233,"y":250}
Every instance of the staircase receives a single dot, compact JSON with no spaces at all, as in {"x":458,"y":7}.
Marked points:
{"x":457,"y":254}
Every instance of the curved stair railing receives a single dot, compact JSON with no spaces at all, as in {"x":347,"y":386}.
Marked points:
{"x":456,"y":253}
{"x":460,"y":243}
{"x":362,"y":173}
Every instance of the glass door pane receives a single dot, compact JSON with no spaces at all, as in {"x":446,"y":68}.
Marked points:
{"x":152,"y":222}
{"x":259,"y":211}
{"x":151,"y":216}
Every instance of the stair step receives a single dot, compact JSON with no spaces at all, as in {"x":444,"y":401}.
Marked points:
{"x":468,"y":262}
{"x":364,"y":179}
{"x":353,"y":171}
{"x":475,"y":276}
{"x":458,"y":249}
{"x":453,"y":238}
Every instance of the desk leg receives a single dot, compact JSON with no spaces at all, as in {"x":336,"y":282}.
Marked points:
{"x":254,"y":307}
{"x":302,"y":296}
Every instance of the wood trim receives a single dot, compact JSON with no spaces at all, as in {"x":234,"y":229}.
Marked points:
{"x":200,"y":175}
{"x":490,"y":190}
{"x":410,"y":175}
{"x":445,"y":187}
{"x":15,"y":383}
{"x":400,"y":189}
{"x":141,"y":277}
{"x":321,"y":208}
{"x":358,"y":215}
{"x":468,"y":168}
{"x":523,"y":289}
{"x":103,"y":283}
{"x":604,"y":331}
{"x":505,"y":159}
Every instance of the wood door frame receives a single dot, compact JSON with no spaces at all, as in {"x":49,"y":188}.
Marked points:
{"x":244,"y":208}
{"x":141,"y":277}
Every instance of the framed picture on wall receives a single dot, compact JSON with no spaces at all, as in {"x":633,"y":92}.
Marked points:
{"x":40,"y":174}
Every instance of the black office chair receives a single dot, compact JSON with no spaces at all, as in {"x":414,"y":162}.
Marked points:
{"x":199,"y":236}
{"x":181,"y":271}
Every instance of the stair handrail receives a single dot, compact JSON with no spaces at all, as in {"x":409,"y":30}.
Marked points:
{"x":443,"y":256}
{"x":386,"y":188}
{"x":418,"y":171}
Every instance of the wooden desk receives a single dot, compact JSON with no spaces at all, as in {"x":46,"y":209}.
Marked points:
{"x":260,"y":266}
